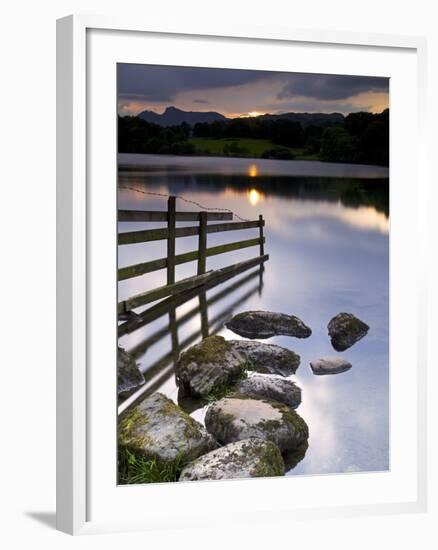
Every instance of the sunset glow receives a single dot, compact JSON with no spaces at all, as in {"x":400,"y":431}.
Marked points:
{"x":251,"y":114}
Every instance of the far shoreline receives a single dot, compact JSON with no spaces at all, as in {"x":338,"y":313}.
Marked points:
{"x":132,"y":162}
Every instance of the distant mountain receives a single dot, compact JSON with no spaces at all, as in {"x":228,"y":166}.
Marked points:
{"x":173,"y":117}
{"x":310,"y":119}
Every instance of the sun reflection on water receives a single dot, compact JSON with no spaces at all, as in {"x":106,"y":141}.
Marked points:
{"x":253,"y":171}
{"x":254,"y":196}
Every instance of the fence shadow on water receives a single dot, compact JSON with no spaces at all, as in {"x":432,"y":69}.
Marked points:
{"x":161,"y":369}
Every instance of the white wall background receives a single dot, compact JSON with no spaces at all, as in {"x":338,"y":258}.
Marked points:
{"x":27,"y":103}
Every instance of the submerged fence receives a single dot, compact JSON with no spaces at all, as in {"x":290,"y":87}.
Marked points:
{"x":174,"y":293}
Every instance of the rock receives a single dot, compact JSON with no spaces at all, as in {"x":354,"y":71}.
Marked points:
{"x":242,"y":459}
{"x":236,"y":418}
{"x":292,"y":458}
{"x":333,"y":365}
{"x":267,"y":358}
{"x":271,"y":387}
{"x":345,"y":330}
{"x":159,"y":429}
{"x":209,"y":366}
{"x":264,"y":324}
{"x":128,"y":374}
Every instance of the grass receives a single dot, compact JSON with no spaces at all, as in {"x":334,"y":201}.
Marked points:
{"x":136,"y":469}
{"x":254,"y":147}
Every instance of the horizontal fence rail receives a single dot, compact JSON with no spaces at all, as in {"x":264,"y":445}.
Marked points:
{"x":162,"y":263}
{"x":148,"y":235}
{"x":158,"y":216}
{"x":174,"y":292}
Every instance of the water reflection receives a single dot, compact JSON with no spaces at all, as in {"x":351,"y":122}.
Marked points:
{"x":254,"y":196}
{"x":253,"y":171}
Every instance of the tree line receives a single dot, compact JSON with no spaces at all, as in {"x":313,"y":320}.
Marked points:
{"x":362,"y":138}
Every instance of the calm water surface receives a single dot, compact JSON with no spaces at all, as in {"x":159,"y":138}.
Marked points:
{"x":327,"y":237}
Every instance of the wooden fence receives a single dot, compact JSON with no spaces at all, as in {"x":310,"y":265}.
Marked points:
{"x":174,"y":293}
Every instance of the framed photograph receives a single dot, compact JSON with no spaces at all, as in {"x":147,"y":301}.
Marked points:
{"x":241,"y":296}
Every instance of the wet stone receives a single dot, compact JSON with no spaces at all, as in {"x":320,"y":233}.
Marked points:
{"x":267,"y":358}
{"x":345,"y":330}
{"x":128,"y":374}
{"x":326,"y":365}
{"x":243,"y":459}
{"x":265,"y":324}
{"x":235,"y":418}
{"x":271,"y":387}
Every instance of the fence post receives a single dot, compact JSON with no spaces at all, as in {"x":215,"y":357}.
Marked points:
{"x":262,"y":246}
{"x":202,"y":248}
{"x":262,"y":252}
{"x":171,"y":223}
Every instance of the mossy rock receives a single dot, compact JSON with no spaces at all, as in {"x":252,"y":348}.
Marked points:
{"x":212,"y":366}
{"x":242,"y":459}
{"x":236,"y":418}
{"x":158,"y":429}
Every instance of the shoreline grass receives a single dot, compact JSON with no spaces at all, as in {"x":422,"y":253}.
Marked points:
{"x":251,"y":148}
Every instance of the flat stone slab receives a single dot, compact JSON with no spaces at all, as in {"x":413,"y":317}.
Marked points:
{"x":159,"y":429}
{"x":326,"y":365}
{"x":128,"y":374}
{"x":271,"y":387}
{"x":267,"y":358}
{"x":345,"y":330}
{"x":264,"y":324}
{"x":242,"y":459}
{"x":235,"y":418}
{"x":208,"y":366}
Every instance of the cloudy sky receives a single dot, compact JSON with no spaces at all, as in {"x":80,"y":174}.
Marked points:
{"x":235,"y":92}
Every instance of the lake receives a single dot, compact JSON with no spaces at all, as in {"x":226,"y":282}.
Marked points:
{"x":327,"y":235}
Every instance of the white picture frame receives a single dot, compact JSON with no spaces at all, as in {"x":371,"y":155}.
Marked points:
{"x":76,"y":214}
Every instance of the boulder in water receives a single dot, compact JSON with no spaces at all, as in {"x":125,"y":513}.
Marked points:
{"x":333,"y":365}
{"x":264,"y":324}
{"x":345,"y":330}
{"x":267,"y":358}
{"x":275,"y":388}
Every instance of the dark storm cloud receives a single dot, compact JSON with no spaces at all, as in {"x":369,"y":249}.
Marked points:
{"x":330,"y":87}
{"x":161,"y":83}
{"x":234,"y":91}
